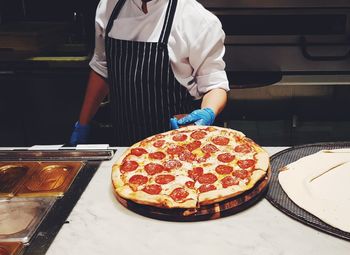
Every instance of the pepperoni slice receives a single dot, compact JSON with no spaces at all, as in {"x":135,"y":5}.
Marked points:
{"x":164,"y":178}
{"x":243,"y":148}
{"x":226,"y":157}
{"x":158,"y":136}
{"x":242,"y":174}
{"x":208,"y":178}
{"x":138,"y":179}
{"x":209,"y":148}
{"x":223,"y":169}
{"x":129,"y":166}
{"x":189,"y":184}
{"x":206,"y":188}
{"x":195,"y":173}
{"x":171,"y":164}
{"x":194,"y":145}
{"x":159,"y":143}
{"x":179,"y":194}
{"x":180,"y":137}
{"x":154,"y":138}
{"x":152,"y":189}
{"x":187,"y":156}
{"x":175,"y":149}
{"x":157,"y":155}
{"x":198,"y":135}
{"x":153,"y":168}
{"x":221,"y":140}
{"x":229,"y":181}
{"x":138,"y":151}
{"x":246,"y":163}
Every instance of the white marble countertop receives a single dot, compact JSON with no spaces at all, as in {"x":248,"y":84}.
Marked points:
{"x":98,"y":224}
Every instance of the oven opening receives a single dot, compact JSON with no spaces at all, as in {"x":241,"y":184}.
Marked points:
{"x":284,"y":24}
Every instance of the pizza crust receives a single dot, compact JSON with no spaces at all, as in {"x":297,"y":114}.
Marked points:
{"x":262,"y":160}
{"x":116,"y":174}
{"x":162,"y":201}
{"x":319,"y":183}
{"x":126,"y":152}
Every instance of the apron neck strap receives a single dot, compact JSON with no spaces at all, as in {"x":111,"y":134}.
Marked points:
{"x":168,"y":22}
{"x":114,"y":15}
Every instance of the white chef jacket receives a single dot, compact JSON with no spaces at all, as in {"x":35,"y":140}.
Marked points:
{"x":196,"y":42}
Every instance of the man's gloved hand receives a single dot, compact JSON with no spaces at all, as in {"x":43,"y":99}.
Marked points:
{"x":201,"y":117}
{"x":80,"y":134}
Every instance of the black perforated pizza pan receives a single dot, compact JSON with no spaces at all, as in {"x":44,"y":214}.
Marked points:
{"x":278,"y":198}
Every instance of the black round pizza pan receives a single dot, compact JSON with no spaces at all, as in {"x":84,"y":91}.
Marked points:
{"x":278,"y":198}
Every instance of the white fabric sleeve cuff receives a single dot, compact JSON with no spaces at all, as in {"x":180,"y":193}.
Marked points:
{"x":98,"y":68}
{"x":216,"y":80}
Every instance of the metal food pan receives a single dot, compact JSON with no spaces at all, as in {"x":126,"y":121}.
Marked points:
{"x":12,"y":175}
{"x":20,"y":217}
{"x":49,"y":179}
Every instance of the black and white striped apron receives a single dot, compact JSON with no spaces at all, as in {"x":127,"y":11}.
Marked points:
{"x":144,"y":93}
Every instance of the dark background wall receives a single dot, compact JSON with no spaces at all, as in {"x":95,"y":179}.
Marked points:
{"x":79,"y":14}
{"x":40,"y":100}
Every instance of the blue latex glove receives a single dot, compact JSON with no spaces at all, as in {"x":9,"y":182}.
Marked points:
{"x":80,"y":134}
{"x":173,"y":123}
{"x":200,"y":117}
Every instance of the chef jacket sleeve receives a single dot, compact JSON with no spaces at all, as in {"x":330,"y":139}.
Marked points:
{"x":206,"y":58}
{"x":98,"y":62}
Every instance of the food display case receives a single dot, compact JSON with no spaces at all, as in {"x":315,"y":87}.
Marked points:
{"x":38,"y":190}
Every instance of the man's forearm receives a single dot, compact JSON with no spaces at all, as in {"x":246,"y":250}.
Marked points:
{"x":96,"y":91}
{"x":215,"y":99}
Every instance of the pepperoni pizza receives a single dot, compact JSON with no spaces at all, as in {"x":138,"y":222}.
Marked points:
{"x":189,"y":167}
